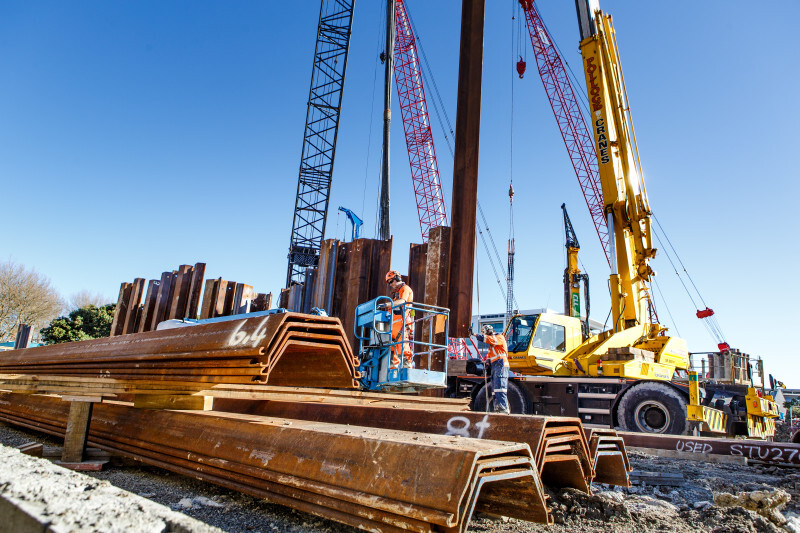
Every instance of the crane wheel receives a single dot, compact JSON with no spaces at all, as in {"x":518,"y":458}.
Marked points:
{"x":652,"y":407}
{"x":517,"y":402}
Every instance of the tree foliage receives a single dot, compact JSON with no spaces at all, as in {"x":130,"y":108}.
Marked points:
{"x":89,"y":322}
{"x":26,"y":297}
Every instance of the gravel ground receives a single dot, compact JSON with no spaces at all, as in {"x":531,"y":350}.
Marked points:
{"x":714,"y":498}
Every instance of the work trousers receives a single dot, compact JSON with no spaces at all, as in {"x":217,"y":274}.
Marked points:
{"x":400,"y":323}
{"x":500,"y":385}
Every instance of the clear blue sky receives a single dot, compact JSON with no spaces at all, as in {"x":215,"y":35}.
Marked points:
{"x":139,"y":135}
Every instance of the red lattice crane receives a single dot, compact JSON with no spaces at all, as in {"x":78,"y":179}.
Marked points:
{"x":417,"y":127}
{"x":578,"y":140}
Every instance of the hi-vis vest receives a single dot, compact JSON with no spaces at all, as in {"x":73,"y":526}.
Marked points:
{"x":498,"y":348}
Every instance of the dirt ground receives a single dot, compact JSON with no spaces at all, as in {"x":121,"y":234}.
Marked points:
{"x":712,"y":497}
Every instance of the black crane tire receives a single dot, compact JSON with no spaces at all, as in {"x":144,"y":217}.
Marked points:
{"x":652,"y":407}
{"x":517,"y":401}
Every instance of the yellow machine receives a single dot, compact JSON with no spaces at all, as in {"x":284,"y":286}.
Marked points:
{"x":634,"y":375}
{"x":634,"y":347}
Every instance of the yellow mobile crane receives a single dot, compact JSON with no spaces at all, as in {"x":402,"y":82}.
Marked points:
{"x":633,"y":375}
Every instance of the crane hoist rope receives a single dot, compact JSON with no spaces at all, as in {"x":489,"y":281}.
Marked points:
{"x":706,"y":314}
{"x":443,"y":119}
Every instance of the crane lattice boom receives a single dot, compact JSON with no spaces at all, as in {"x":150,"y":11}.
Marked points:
{"x":578,"y":140}
{"x":417,"y":127}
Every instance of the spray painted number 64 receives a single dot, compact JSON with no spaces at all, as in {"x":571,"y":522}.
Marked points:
{"x":239,"y":337}
{"x":460,"y":425}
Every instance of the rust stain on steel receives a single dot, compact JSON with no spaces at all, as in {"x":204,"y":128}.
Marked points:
{"x":379,"y":479}
{"x":558,"y":444}
{"x":303,"y":350}
{"x":768,"y":452}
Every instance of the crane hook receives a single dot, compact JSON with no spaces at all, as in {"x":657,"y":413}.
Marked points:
{"x":521,"y":67}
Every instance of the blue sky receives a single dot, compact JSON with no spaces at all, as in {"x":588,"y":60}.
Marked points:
{"x":137,"y":136}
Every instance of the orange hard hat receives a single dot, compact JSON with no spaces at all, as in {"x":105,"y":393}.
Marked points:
{"x":393,"y":275}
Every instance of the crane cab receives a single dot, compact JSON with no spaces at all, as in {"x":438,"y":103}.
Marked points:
{"x":539,"y":343}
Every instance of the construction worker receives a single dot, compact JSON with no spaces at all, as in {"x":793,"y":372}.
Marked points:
{"x":498,"y":361}
{"x":402,"y":323}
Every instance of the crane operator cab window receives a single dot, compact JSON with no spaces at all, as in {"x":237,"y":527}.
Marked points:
{"x":550,"y":337}
{"x":519,"y":332}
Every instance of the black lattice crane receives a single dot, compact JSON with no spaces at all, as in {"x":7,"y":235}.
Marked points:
{"x":319,"y":136}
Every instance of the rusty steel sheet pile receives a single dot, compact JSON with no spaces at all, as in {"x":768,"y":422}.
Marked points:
{"x":374,"y":479}
{"x":280,"y":349}
{"x":558,"y":444}
{"x":609,"y":457}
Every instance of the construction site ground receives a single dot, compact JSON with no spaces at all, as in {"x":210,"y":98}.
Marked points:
{"x":711,"y":497}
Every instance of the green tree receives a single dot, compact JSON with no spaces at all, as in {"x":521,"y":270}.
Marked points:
{"x":88,"y":322}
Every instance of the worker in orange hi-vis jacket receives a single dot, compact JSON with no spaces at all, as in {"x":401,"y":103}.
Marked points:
{"x":498,"y":360}
{"x":402,"y":323}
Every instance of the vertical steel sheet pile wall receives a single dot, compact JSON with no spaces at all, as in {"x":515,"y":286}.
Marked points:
{"x":350,"y":273}
{"x":411,"y":481}
{"x":177,"y":295}
{"x":282,"y":349}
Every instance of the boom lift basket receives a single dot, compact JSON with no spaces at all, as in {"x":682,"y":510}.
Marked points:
{"x":373,"y":329}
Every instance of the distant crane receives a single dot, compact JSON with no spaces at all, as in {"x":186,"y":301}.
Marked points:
{"x":319,"y":137}
{"x":574,"y":132}
{"x":417,"y":127}
{"x":354,"y":220}
{"x":573,"y":276}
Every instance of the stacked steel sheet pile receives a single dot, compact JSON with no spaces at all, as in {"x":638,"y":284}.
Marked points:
{"x":559,"y":446}
{"x":609,"y":457}
{"x":280,"y":349}
{"x":375,"y":479}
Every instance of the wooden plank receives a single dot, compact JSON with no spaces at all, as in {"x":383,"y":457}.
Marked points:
{"x":33,"y":449}
{"x":121,"y":310}
{"x":465,"y":167}
{"x":92,"y":398}
{"x":149,"y":306}
{"x":198,"y":272}
{"x":209,"y":298}
{"x":180,"y":294}
{"x":83,"y":466}
{"x":171,"y":401}
{"x":77,"y":429}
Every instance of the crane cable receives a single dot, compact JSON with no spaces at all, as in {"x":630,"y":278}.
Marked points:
{"x":706,"y":315}
{"x":446,"y":125}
